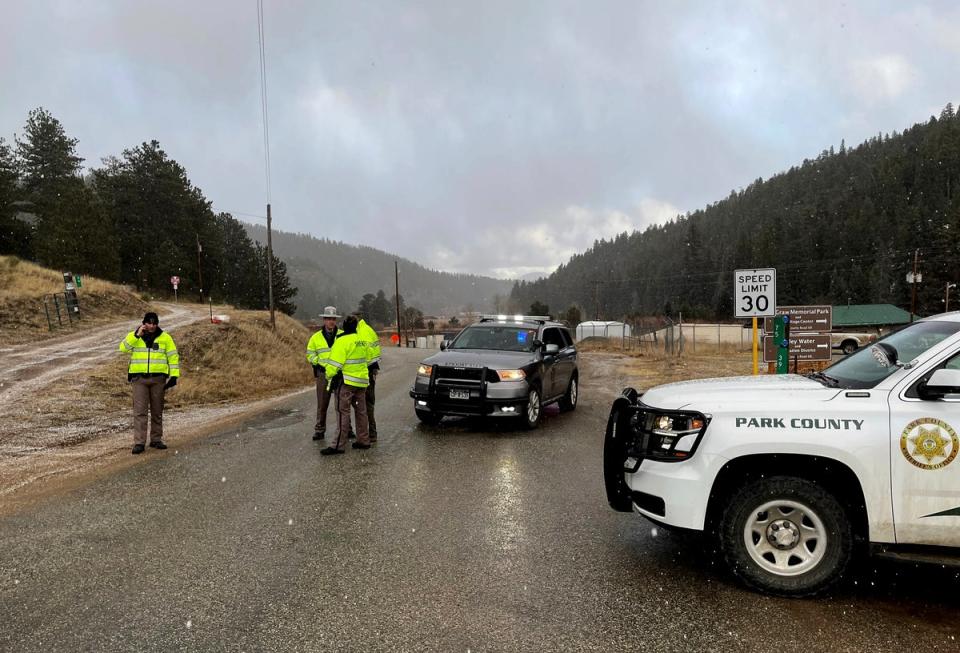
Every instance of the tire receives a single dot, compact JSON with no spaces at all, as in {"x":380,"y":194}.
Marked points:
{"x":848,"y":347}
{"x":568,"y":401}
{"x":614,"y":453}
{"x":786,"y":536}
{"x":428,"y":417}
{"x":532,"y":410}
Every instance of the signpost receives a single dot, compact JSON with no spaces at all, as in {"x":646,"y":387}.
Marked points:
{"x":175,"y":281}
{"x":755,"y":292}
{"x":807,"y":336}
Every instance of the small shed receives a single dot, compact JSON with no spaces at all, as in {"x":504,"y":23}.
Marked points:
{"x":873,"y":315}
{"x":601,"y":329}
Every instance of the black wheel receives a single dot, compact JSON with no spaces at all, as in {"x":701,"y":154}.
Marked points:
{"x":569,"y":400}
{"x":848,"y":347}
{"x":786,"y":536}
{"x":428,"y":417}
{"x":614,"y":455}
{"x":533,"y":410}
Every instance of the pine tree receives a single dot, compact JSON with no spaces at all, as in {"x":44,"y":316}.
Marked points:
{"x":15,"y":235}
{"x":46,"y":159}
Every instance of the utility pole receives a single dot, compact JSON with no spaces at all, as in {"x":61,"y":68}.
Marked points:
{"x":273,"y":320}
{"x":199,"y":268}
{"x":396,"y":276}
{"x":913,"y":284}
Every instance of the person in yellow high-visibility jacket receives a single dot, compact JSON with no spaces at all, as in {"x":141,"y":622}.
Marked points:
{"x":318,"y":353}
{"x":347,"y":368}
{"x":372,"y":340}
{"x":154,"y":368}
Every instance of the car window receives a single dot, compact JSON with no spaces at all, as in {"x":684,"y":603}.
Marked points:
{"x":552,"y":336}
{"x":566,"y":337}
{"x":498,"y":337}
{"x":865,"y":370}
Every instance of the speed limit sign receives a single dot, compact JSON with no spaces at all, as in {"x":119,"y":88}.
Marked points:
{"x":755,"y":292}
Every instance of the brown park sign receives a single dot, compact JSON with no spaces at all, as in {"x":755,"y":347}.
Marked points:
{"x":811,"y":347}
{"x":804,"y":319}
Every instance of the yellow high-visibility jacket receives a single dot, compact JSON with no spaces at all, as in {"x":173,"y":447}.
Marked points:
{"x":317,"y":349}
{"x":161,"y":358}
{"x":349,"y":356}
{"x":372,"y":341}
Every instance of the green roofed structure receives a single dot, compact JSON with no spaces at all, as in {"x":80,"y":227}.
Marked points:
{"x":869,"y":315}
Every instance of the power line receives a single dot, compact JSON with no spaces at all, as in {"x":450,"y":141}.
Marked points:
{"x":263,"y":101}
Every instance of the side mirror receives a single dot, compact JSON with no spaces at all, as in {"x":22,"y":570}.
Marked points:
{"x":444,"y":344}
{"x":551,"y":350}
{"x":885,"y":354}
{"x":943,"y":382}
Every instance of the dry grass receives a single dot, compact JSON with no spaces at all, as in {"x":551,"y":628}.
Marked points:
{"x":238,"y":361}
{"x":23,"y":285}
{"x":648,"y":371}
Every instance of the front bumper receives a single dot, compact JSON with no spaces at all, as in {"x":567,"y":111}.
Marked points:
{"x":675,"y":494}
{"x":464,"y":398}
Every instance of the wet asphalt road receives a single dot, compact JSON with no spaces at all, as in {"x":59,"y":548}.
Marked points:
{"x":463,"y":537}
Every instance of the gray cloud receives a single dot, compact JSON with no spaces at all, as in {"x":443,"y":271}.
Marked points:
{"x":496,"y":138}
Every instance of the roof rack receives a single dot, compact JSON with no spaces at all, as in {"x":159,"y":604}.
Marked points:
{"x":516,"y":318}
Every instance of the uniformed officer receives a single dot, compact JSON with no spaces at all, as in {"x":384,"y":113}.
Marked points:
{"x":318,"y":354}
{"x":372,"y":340}
{"x":348,"y":362}
{"x":154,"y":368}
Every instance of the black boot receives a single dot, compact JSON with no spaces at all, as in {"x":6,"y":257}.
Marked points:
{"x":317,"y":435}
{"x":158,"y":444}
{"x":137,"y":448}
{"x":330,"y":451}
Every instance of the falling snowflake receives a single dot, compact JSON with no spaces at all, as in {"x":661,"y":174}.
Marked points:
{"x":189,"y":623}
{"x":289,"y":522}
{"x":654,"y":532}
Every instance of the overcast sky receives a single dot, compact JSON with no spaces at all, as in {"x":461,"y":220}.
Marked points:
{"x":489,"y":137}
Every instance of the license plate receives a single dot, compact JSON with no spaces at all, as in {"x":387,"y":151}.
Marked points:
{"x":459,"y":394}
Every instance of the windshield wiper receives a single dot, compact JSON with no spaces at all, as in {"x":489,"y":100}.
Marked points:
{"x":826,"y":379}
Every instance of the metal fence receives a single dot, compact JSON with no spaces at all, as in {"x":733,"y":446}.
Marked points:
{"x":61,"y":309}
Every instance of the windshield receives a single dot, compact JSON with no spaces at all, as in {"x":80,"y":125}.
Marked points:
{"x":499,"y":337}
{"x":864,"y":370}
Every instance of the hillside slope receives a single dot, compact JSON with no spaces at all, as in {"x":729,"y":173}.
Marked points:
{"x":23,"y":286}
{"x":842,"y":228}
{"x":328,"y":272}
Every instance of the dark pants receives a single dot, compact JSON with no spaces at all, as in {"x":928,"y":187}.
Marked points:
{"x":148,"y":395}
{"x":371,"y":404}
{"x":323,"y":403}
{"x":349,"y":397}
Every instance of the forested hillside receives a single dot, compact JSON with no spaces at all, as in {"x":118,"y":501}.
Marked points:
{"x":334,"y":273}
{"x":841,"y":228}
{"x":137,"y":220}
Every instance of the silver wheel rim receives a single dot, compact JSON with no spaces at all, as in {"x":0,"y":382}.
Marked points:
{"x":785,"y":538}
{"x":573,"y":392}
{"x":533,"y":407}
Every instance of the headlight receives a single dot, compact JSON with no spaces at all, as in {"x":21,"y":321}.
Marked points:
{"x":424,"y":370}
{"x":511,"y":375}
{"x":669,"y":436}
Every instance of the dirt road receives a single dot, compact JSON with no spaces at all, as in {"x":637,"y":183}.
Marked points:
{"x":27,"y":369}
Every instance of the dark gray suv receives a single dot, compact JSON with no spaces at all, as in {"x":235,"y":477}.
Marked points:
{"x":501,"y":366}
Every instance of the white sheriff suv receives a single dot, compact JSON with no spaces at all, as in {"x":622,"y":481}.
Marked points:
{"x":795,"y":476}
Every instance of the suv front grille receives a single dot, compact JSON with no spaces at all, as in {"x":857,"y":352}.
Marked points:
{"x":465,"y":375}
